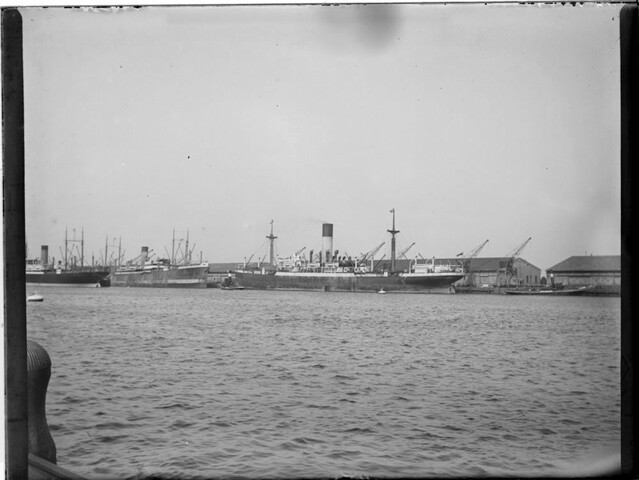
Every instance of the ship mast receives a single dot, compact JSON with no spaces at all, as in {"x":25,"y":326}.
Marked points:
{"x":393,"y":232}
{"x":73,"y":249}
{"x":187,"y":254}
{"x":173,"y":248}
{"x":82,"y":249}
{"x":271,"y":238}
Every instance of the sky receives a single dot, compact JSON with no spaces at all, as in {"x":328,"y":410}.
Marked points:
{"x":473,"y":122}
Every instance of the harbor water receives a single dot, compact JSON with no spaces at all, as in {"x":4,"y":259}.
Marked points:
{"x":255,"y":384}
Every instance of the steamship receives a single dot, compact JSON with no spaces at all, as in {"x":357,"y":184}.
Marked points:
{"x":40,"y":272}
{"x":326,"y":271}
{"x":159,"y":273}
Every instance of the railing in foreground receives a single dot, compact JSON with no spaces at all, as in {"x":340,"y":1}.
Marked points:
{"x":41,"y":469}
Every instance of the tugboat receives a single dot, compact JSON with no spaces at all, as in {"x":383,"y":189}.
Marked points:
{"x":230,"y":284}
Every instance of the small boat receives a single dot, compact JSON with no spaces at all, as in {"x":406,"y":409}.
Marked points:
{"x":548,"y":291}
{"x":232,"y":287}
{"x":35,"y":297}
{"x":382,"y":291}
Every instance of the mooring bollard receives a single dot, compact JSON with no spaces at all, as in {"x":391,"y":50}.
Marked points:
{"x":38,"y":374}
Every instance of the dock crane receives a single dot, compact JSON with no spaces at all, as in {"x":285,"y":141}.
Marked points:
{"x":405,"y":251}
{"x":370,"y":254}
{"x":465,"y":261}
{"x":506,"y":270}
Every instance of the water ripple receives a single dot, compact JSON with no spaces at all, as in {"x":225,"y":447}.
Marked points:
{"x":198,"y":384}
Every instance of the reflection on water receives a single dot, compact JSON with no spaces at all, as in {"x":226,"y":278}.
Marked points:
{"x":247,"y":383}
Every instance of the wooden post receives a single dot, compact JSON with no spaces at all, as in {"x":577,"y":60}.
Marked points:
{"x":16,"y":452}
{"x":629,"y":52}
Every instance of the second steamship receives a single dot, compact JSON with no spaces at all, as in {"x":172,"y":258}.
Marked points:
{"x":161,"y":273}
{"x":144,"y":272}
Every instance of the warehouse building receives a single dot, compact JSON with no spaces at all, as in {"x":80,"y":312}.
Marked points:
{"x":601,"y":271}
{"x":487,"y":271}
{"x":500,"y":271}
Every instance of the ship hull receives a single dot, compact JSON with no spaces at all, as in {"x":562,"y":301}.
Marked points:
{"x":69,"y":279}
{"x":175,"y":277}
{"x":348,"y":282}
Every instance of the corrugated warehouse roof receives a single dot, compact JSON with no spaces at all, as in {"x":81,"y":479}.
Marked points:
{"x":477,"y":264}
{"x":588,"y":263}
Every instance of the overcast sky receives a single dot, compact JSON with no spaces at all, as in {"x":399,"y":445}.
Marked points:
{"x":473,"y":122}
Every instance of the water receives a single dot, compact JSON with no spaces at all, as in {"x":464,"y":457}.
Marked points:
{"x":247,"y":384}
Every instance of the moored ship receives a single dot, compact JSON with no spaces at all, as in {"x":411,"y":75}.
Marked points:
{"x":40,"y":272}
{"x":159,"y":273}
{"x":327,"y":271}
